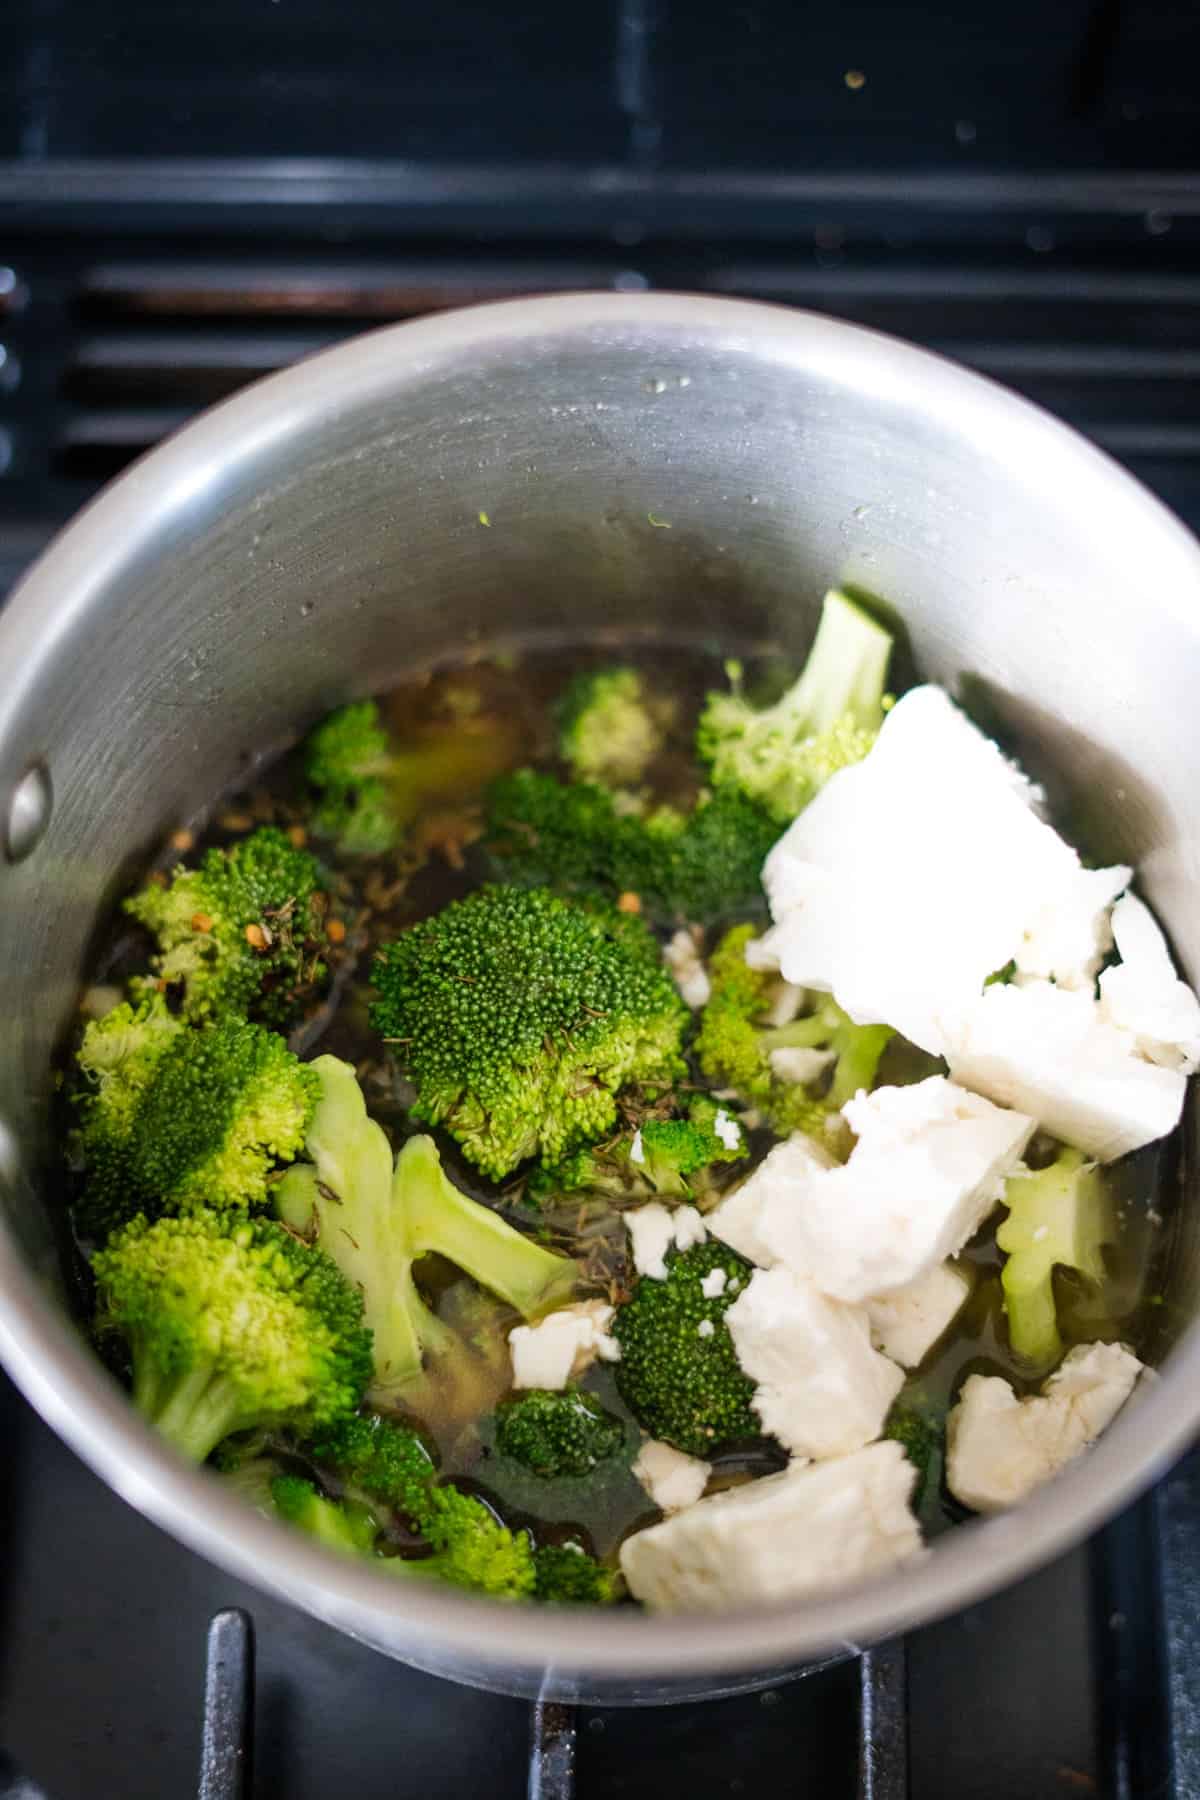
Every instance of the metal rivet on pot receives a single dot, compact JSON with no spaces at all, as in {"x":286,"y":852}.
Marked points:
{"x":28,"y":813}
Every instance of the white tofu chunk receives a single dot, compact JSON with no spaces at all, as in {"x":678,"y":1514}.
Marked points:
{"x":781,"y":1174}
{"x":563,"y":1345}
{"x":681,"y":954}
{"x":821,"y":1388}
{"x":908,"y":1322}
{"x":1053,"y":1052}
{"x":803,"y":1531}
{"x":1143,"y":995}
{"x":999,"y":1448}
{"x":918,"y":872}
{"x":930,"y":1164}
{"x":655,"y":1229}
{"x":671,"y":1479}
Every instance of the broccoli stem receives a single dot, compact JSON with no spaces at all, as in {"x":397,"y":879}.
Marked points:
{"x":846,"y":668}
{"x":475,"y":1239}
{"x":193,"y":1411}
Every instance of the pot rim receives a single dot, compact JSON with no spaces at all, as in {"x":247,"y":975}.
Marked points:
{"x":58,"y":1372}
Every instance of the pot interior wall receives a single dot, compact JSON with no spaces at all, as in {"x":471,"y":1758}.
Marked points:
{"x":632,"y":479}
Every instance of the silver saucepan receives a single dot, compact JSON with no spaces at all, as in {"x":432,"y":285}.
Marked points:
{"x":657,"y":466}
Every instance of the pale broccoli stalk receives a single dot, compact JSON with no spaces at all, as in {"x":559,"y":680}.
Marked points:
{"x":376,"y":1221}
{"x":1059,"y":1216}
{"x":782,"y":755}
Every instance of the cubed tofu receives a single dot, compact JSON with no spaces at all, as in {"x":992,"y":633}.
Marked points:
{"x":655,"y":1229}
{"x":907,"y":1323}
{"x":781,"y":1176}
{"x":672,"y":1480}
{"x":920,"y":871}
{"x":1142,"y":994}
{"x":929,"y":1166}
{"x":681,"y":954}
{"x":562,"y":1345}
{"x":821,"y":1387}
{"x":999,"y":1448}
{"x":806,"y":1530}
{"x":1058,"y":1054}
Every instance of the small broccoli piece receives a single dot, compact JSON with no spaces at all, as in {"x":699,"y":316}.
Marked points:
{"x":701,"y":865}
{"x":565,"y":1575}
{"x":243,"y":934}
{"x":670,"y":1157}
{"x":1057,"y":1216}
{"x":922,"y":1439}
{"x":520,"y":1015}
{"x":682,"y":1386}
{"x":384,"y":1460}
{"x":370,"y":790}
{"x":472,"y":1549}
{"x":387,"y":1465}
{"x":232,"y":1325}
{"x":610,"y":727}
{"x":783,"y":755}
{"x":338,"y":1524}
{"x":173,"y":1116}
{"x":733,"y":1046}
{"x":376,"y":1221}
{"x":555,"y":1434}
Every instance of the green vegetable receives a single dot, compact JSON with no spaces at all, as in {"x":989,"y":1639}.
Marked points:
{"x":733,"y":1046}
{"x":243,"y":934}
{"x":468,"y":1547}
{"x":339,"y":1525}
{"x":383,"y":1459}
{"x":553,"y":1434}
{"x":610,"y":727}
{"x":519,"y":1017}
{"x":376,"y":1221}
{"x":676,"y":1155}
{"x":781,"y":756}
{"x":369,"y":791}
{"x":922,"y":1438}
{"x":565,"y":1575}
{"x":174,"y":1116}
{"x":573,"y":836}
{"x":1058,"y":1215}
{"x":683,"y":1387}
{"x":232,"y":1325}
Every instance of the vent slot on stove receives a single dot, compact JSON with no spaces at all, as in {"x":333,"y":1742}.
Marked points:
{"x":113,"y":354}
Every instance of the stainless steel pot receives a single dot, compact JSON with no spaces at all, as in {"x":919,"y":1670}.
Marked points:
{"x":636,"y":465}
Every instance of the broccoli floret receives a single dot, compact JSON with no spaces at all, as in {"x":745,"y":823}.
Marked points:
{"x":173,"y":1116}
{"x":701,"y":865}
{"x":682,"y":1386}
{"x":376,"y":1221}
{"x":610,"y":727}
{"x":232,"y":1325}
{"x":733,"y":1046}
{"x":384,"y":1460}
{"x":338,"y":1524}
{"x":565,"y":1575}
{"x":557,"y":1433}
{"x":386,"y":1464}
{"x":922,"y":1438}
{"x":669,"y":1157}
{"x":369,"y":790}
{"x":519,"y":1015}
{"x":1057,"y":1216}
{"x":243,"y":934}
{"x":783,"y":755}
